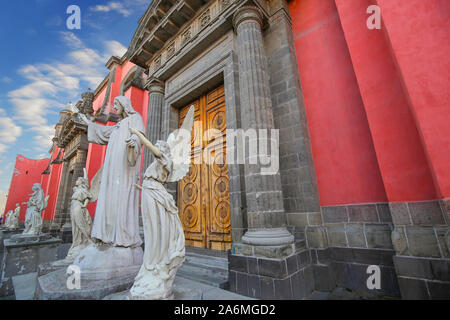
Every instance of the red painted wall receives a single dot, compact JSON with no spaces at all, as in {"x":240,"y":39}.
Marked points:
{"x":377,"y":101}
{"x":419,"y":33}
{"x":402,"y":161}
{"x":54,"y":179}
{"x":26,"y":173}
{"x":344,"y":156}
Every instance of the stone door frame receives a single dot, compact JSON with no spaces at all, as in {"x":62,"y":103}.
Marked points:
{"x":224,"y":71}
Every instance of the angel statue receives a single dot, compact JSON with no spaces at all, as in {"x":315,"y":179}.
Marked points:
{"x":163,"y":231}
{"x":81,"y":220}
{"x":36,"y":204}
{"x":12,"y":218}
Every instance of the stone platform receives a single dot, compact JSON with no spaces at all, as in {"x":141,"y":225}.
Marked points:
{"x":180,"y":291}
{"x":22,"y":255}
{"x":104,"y":270}
{"x":53,"y":286}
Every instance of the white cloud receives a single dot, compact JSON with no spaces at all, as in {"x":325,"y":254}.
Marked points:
{"x":9,"y":131}
{"x":71,"y":40}
{"x":54,"y":83}
{"x":115,"y":48}
{"x":124,"y":7}
{"x":112,"y":6}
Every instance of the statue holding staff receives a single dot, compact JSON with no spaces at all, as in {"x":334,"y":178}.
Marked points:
{"x":163,"y":231}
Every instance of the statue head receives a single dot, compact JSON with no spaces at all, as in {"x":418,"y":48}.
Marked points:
{"x":82,"y":182}
{"x":17,"y":205}
{"x":123,"y":106}
{"x":36,"y":187}
{"x":164,"y":147}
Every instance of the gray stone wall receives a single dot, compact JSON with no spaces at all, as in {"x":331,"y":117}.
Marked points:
{"x":421,"y":238}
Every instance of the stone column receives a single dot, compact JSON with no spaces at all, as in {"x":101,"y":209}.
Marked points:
{"x":265,"y":210}
{"x":155,"y":89}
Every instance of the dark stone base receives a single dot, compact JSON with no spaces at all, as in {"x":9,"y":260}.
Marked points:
{"x":263,"y":278}
{"x":23,"y":255}
{"x":323,"y":270}
{"x":423,"y":278}
{"x":4,"y":235}
{"x":53,"y":286}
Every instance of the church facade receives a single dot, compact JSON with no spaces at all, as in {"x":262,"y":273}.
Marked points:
{"x":361,"y":123}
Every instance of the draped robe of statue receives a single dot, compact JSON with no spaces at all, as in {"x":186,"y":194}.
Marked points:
{"x":7,"y":220}
{"x":163,"y":231}
{"x":14,"y":219}
{"x":164,"y":236}
{"x":36,"y":204}
{"x":116,"y":218}
{"x":81,"y":220}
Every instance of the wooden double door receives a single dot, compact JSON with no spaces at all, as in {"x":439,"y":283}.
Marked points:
{"x":203,"y":195}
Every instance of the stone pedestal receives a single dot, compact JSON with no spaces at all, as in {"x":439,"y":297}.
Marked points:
{"x":22,"y":255}
{"x":7,"y":234}
{"x":47,"y":268}
{"x":66,"y":233}
{"x":104,"y":270}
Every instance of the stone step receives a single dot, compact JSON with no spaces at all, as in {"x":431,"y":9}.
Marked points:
{"x":205,"y":269}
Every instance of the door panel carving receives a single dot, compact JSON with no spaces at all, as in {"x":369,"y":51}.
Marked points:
{"x":203,"y":195}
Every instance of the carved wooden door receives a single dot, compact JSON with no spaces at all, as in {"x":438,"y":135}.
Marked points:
{"x":203,"y":195}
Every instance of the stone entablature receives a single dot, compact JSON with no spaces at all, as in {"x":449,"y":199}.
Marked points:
{"x":158,"y":54}
{"x":71,"y":128}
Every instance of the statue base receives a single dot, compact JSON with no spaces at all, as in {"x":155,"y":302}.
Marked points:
{"x":47,"y":268}
{"x":54,"y":286}
{"x":104,"y":270}
{"x":180,"y":292}
{"x":23,"y":254}
{"x":101,"y":261}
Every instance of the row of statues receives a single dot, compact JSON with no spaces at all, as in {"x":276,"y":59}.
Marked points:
{"x":116,"y":188}
{"x":33,"y":216}
{"x":12,"y":219}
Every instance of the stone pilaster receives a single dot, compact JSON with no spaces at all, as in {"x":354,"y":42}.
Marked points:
{"x":265,"y":209}
{"x":155,"y":89}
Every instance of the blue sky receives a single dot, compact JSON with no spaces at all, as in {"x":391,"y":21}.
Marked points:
{"x":44,"y":65}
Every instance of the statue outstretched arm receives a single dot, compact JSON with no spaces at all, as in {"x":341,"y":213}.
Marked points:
{"x":146,"y":142}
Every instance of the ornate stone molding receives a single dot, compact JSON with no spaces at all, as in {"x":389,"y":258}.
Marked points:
{"x":247,"y":13}
{"x":154,"y":53}
{"x":154,"y":85}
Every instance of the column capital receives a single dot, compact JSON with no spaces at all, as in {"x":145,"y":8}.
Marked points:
{"x":247,"y":13}
{"x":154,"y":85}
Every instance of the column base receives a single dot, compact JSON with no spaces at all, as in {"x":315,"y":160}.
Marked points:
{"x":268,"y":237}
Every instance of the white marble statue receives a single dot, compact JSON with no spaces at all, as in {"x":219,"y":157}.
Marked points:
{"x":12,"y":218}
{"x":7,"y":219}
{"x":36,"y":204}
{"x":116,"y":251}
{"x":80,"y":218}
{"x":116,"y":218}
{"x":163,"y":231}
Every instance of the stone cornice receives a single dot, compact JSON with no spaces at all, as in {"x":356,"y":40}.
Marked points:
{"x":162,"y":20}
